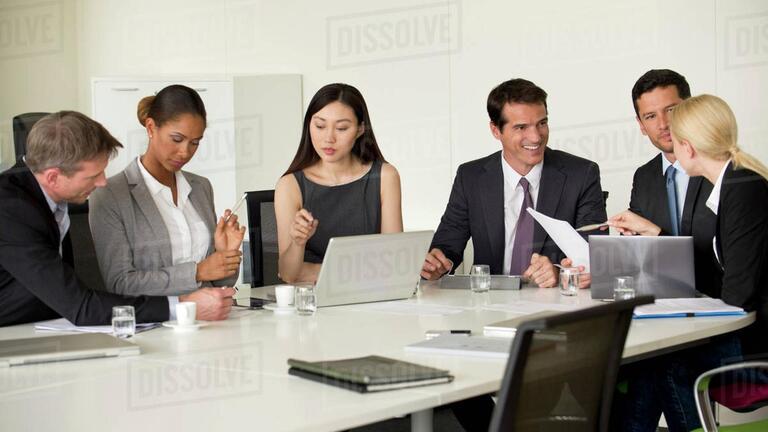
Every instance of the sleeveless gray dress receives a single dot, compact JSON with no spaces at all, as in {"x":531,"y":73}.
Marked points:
{"x":344,"y":210}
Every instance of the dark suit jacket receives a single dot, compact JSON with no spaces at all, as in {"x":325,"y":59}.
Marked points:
{"x":569,"y":190}
{"x":649,"y":200}
{"x":36,"y":283}
{"x":742,"y":244}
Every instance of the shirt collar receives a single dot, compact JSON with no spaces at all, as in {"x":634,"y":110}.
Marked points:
{"x":183,"y":188}
{"x":713,"y":202}
{"x":665,"y":163}
{"x":53,"y":205}
{"x":513,"y":177}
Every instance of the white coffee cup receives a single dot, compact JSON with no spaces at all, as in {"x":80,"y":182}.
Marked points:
{"x":185,"y":313}
{"x":284,"y":295}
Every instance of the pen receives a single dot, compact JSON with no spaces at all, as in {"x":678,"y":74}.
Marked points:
{"x":236,"y":207}
{"x":592,"y":227}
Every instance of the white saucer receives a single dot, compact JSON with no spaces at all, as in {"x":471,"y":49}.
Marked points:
{"x":191,"y":327}
{"x":279,"y":309}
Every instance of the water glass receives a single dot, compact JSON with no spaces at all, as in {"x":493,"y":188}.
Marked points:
{"x":305,"y":299}
{"x":123,"y":321}
{"x":569,"y":281}
{"x":624,"y":288}
{"x":480,"y":278}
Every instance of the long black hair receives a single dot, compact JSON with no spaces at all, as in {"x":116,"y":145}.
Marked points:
{"x":365,"y":148}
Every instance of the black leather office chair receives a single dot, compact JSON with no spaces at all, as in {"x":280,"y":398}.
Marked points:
{"x":83,"y":252}
{"x":562,"y":370}
{"x":22,"y":124}
{"x":262,"y":239}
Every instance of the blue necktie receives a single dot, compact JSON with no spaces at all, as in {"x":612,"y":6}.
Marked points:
{"x":669,"y":175}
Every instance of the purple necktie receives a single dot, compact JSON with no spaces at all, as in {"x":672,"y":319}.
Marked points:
{"x":522,"y":248}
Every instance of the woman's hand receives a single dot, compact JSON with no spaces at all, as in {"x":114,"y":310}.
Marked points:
{"x":303,"y":227}
{"x":228,"y":235}
{"x":628,"y":223}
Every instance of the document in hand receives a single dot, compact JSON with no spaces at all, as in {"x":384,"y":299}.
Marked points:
{"x":369,"y":374}
{"x":686,"y":307}
{"x":565,"y":237}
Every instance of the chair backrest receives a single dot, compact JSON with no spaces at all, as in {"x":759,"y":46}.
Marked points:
{"x":741,"y":387}
{"x":22,"y":124}
{"x":84,"y":253}
{"x":562,"y":370}
{"x":262,"y":238}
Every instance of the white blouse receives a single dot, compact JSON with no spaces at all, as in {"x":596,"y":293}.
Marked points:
{"x":190,"y":238}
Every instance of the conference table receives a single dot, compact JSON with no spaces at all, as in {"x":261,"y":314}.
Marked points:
{"x":232,"y":375}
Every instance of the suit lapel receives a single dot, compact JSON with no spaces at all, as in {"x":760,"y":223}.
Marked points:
{"x":550,"y":190}
{"x":27,"y":181}
{"x":202,"y":206}
{"x":492,"y":196}
{"x":147,"y":205}
{"x":691,"y":196}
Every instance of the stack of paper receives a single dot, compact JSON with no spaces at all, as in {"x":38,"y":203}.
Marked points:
{"x":686,"y":307}
{"x":473,"y":346}
{"x":63,"y":325}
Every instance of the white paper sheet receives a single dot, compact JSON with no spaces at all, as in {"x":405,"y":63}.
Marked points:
{"x":524,"y":307}
{"x":565,"y":237}
{"x":63,"y":325}
{"x":703,"y":306}
{"x":407,"y":308}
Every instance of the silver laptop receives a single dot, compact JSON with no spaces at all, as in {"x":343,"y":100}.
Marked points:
{"x":661,"y":266}
{"x":369,"y":268}
{"x":16,"y":352}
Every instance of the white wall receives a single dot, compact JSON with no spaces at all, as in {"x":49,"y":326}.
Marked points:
{"x":426,"y":79}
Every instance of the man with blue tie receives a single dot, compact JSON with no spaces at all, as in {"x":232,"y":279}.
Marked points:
{"x":663,"y":193}
{"x":661,"y":190}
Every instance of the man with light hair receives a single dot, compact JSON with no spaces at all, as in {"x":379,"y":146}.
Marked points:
{"x":67,"y":153}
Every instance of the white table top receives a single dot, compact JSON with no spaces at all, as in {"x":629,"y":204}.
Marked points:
{"x":233,"y":374}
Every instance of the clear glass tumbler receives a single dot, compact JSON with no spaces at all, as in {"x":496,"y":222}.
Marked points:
{"x":480,"y":278}
{"x":123,"y":321}
{"x":305,"y":299}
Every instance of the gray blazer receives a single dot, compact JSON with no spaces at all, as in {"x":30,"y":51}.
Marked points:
{"x":133,"y":246}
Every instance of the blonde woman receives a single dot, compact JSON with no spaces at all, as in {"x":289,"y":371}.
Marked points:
{"x":704,"y":135}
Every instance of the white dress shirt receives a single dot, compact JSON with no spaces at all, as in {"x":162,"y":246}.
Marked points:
{"x":513,"y":200}
{"x":713,"y":202}
{"x":189,"y":236}
{"x":681,"y":182}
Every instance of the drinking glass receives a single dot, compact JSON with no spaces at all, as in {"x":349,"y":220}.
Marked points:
{"x":569,"y":281}
{"x":480,"y":278}
{"x":123,"y":321}
{"x":624,"y":288}
{"x":305,"y":299}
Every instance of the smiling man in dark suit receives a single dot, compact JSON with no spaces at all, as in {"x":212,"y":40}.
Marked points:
{"x":661,"y":188}
{"x":490,"y":194}
{"x":67,"y":153}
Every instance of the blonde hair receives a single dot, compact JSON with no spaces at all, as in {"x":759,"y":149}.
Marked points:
{"x":708,"y":122}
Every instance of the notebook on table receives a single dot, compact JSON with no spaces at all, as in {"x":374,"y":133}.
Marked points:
{"x":508,"y":328}
{"x":16,"y":352}
{"x":369,"y":374}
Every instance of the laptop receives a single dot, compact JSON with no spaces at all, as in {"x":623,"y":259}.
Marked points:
{"x":662,"y":266}
{"x":16,"y":352}
{"x":370,"y":268}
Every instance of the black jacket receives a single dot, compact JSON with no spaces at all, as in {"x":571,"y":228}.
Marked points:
{"x":36,"y":283}
{"x":569,"y":190}
{"x":649,"y":200}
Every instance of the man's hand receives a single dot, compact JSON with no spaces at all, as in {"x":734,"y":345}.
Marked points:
{"x":541,"y":272}
{"x":218,"y":265}
{"x":435,"y":265}
{"x":213,"y":304}
{"x":585,"y":279}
